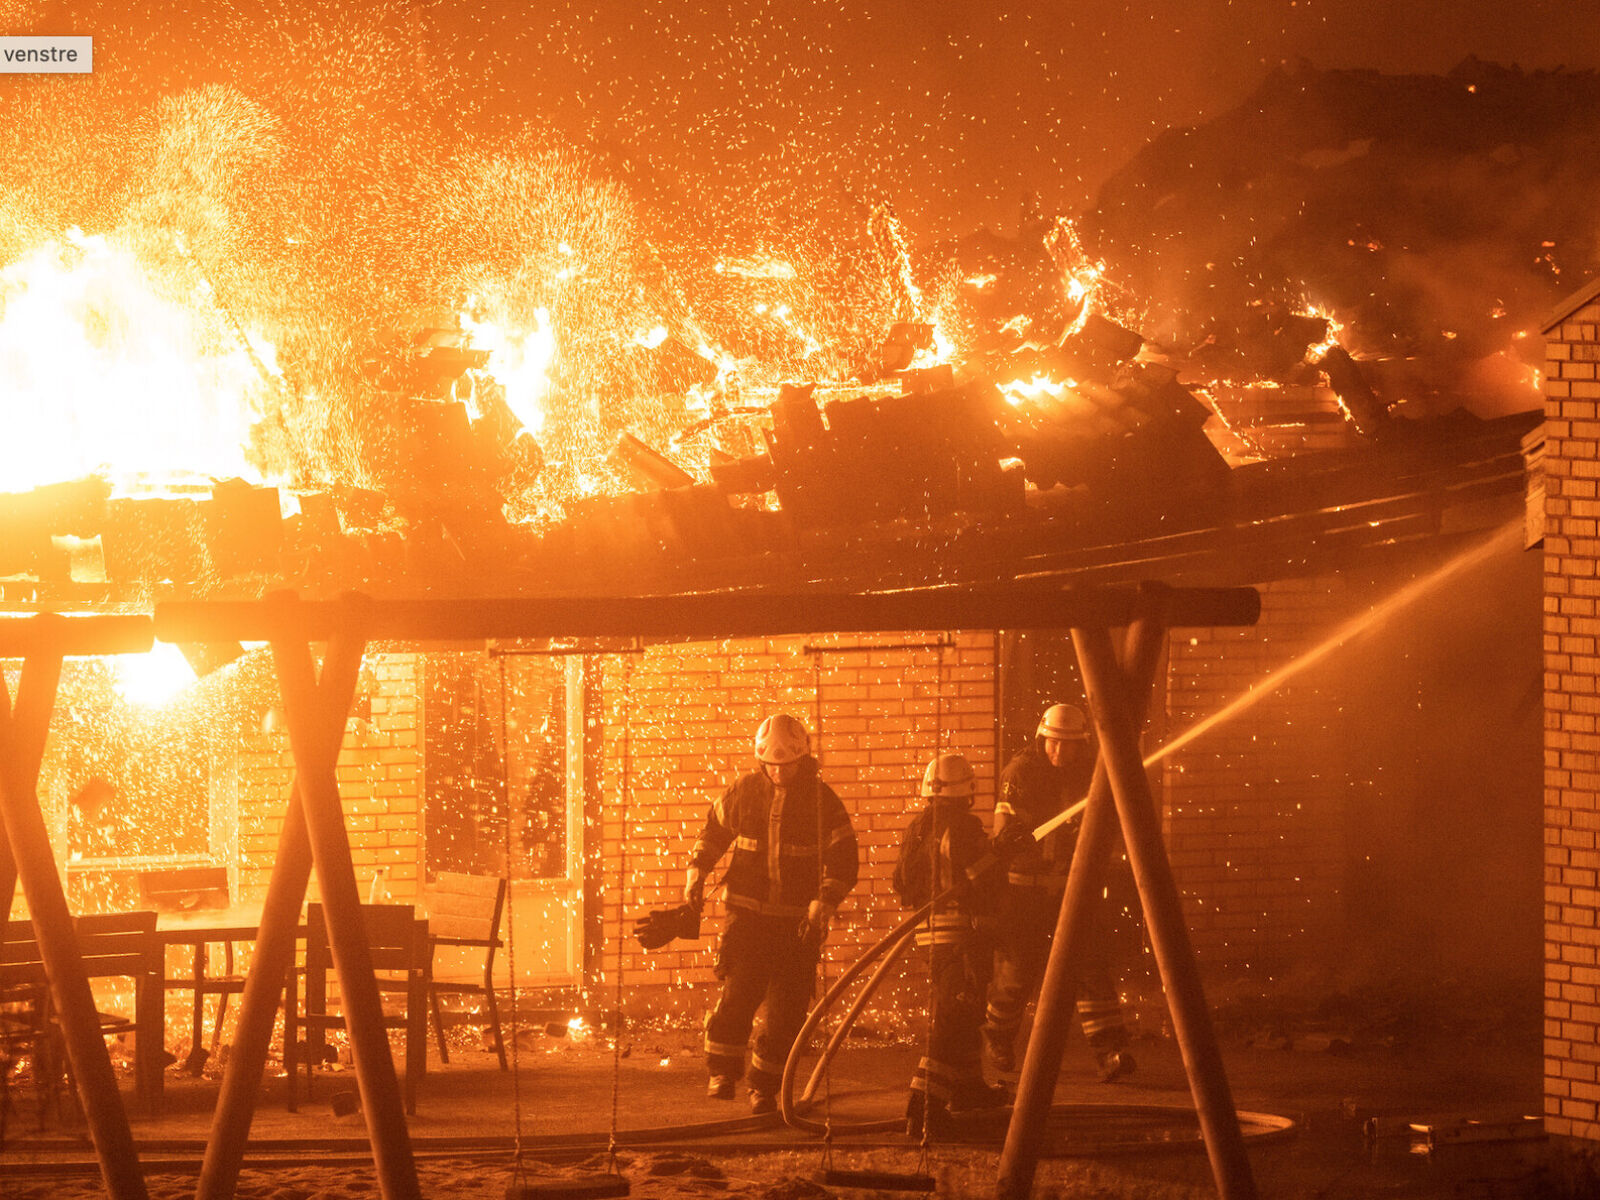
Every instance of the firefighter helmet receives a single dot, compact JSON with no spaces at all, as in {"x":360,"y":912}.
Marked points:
{"x":948,"y":777}
{"x":1064,"y":722}
{"x":782,"y":739}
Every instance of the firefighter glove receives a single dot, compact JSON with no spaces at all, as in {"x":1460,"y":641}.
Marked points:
{"x":1013,"y":840}
{"x":656,"y":929}
{"x":814,"y":926}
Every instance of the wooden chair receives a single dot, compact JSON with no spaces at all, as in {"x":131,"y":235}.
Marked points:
{"x":112,"y":945}
{"x":398,"y":942}
{"x":24,"y":1018}
{"x":464,"y":916}
{"x":192,"y":889}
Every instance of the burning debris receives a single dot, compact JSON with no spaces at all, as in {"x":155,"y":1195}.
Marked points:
{"x":493,"y":366}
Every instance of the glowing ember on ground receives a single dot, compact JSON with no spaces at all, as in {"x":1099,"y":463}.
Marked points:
{"x":1019,"y":391}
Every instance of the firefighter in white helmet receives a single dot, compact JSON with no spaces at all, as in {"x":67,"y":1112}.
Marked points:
{"x":1051,"y":774}
{"x":794,"y":859}
{"x":943,"y":846}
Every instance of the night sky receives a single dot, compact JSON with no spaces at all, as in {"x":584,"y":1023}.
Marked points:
{"x":954,"y":110}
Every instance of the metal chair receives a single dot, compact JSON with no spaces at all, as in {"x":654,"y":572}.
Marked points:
{"x":464,"y":915}
{"x":398,"y":943}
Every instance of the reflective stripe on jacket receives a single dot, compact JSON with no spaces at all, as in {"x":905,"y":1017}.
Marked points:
{"x":777,"y":867}
{"x":1032,"y":791}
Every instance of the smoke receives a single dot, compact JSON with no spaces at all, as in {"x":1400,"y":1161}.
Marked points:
{"x":1438,"y":218}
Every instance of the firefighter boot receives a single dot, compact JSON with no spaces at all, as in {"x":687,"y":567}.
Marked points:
{"x":762,"y":1101}
{"x":1113,"y":1065}
{"x":976,"y":1094}
{"x":927,"y":1114}
{"x":720,"y":1087}
{"x":1001,"y":1050}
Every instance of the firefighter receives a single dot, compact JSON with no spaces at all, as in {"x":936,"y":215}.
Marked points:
{"x":794,"y":859}
{"x":1049,"y":775}
{"x":945,"y":845}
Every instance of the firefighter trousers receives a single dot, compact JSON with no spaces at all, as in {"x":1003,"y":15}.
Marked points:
{"x":763,"y":964}
{"x":1019,"y":965}
{"x":952,"y":1069}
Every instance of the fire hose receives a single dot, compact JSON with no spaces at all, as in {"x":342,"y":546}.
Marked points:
{"x":893,"y":944}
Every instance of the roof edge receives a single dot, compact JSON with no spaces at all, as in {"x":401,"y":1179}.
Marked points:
{"x":1571,"y":304}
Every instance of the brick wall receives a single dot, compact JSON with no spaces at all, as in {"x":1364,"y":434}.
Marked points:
{"x":1572,"y":743}
{"x":1252,"y":807}
{"x":877,"y":707}
{"x":380,"y":784}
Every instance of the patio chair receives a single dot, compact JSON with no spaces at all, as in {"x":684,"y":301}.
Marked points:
{"x":193,"y":889}
{"x":111,"y":945}
{"x":398,"y":942}
{"x":464,"y":917}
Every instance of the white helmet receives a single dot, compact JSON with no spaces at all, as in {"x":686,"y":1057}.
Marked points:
{"x":948,"y":777}
{"x":782,"y":739}
{"x":1064,"y":722}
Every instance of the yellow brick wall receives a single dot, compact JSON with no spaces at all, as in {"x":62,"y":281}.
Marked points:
{"x":1572,"y":742}
{"x":877,"y":710}
{"x":380,"y":784}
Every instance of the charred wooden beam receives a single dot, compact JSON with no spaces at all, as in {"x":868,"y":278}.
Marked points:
{"x":649,"y":468}
{"x":1361,"y":404}
{"x":718,"y":615}
{"x":74,"y":637}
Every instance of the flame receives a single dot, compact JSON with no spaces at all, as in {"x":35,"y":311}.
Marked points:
{"x":1316,"y":353}
{"x":111,"y":369}
{"x":153,"y":680}
{"x":1081,"y":276}
{"x":652,"y":339}
{"x":519,"y":360}
{"x":1017,"y":392}
{"x":942,"y":351}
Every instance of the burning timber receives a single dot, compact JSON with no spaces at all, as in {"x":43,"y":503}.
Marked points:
{"x":1084,"y":461}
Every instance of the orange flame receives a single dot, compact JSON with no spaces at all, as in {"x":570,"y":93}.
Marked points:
{"x":112,"y":370}
{"x":519,"y":360}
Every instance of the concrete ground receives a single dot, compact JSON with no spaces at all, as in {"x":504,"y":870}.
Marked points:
{"x":1110,"y":1147}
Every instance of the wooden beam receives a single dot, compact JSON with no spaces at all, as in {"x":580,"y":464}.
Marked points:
{"x":275,"y":940}
{"x":1114,"y":718}
{"x":312,"y":726}
{"x":22,"y":737}
{"x":716,"y":615}
{"x":72,"y":637}
{"x":1041,"y":1064}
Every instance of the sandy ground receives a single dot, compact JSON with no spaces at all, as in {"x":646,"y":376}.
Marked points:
{"x":675,"y":1144}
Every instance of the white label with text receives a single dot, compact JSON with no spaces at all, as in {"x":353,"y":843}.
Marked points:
{"x":46,"y":55}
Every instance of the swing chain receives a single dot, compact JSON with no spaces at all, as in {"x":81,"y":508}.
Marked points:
{"x":618,"y":1023}
{"x":518,"y":1169}
{"x":926,"y":1141}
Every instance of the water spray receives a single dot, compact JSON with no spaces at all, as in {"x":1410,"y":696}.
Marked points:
{"x":899,"y":938}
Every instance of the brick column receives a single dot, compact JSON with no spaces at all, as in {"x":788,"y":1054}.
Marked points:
{"x":1572,"y":744}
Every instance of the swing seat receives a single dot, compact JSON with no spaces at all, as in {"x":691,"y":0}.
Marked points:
{"x":882,"y":1181}
{"x":587,"y":1185}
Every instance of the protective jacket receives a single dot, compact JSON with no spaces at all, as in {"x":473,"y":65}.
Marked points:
{"x":1032,"y":791}
{"x":940,"y":847}
{"x":777,"y":868}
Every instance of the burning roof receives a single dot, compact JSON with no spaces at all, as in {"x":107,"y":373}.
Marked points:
{"x":491,"y":369}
